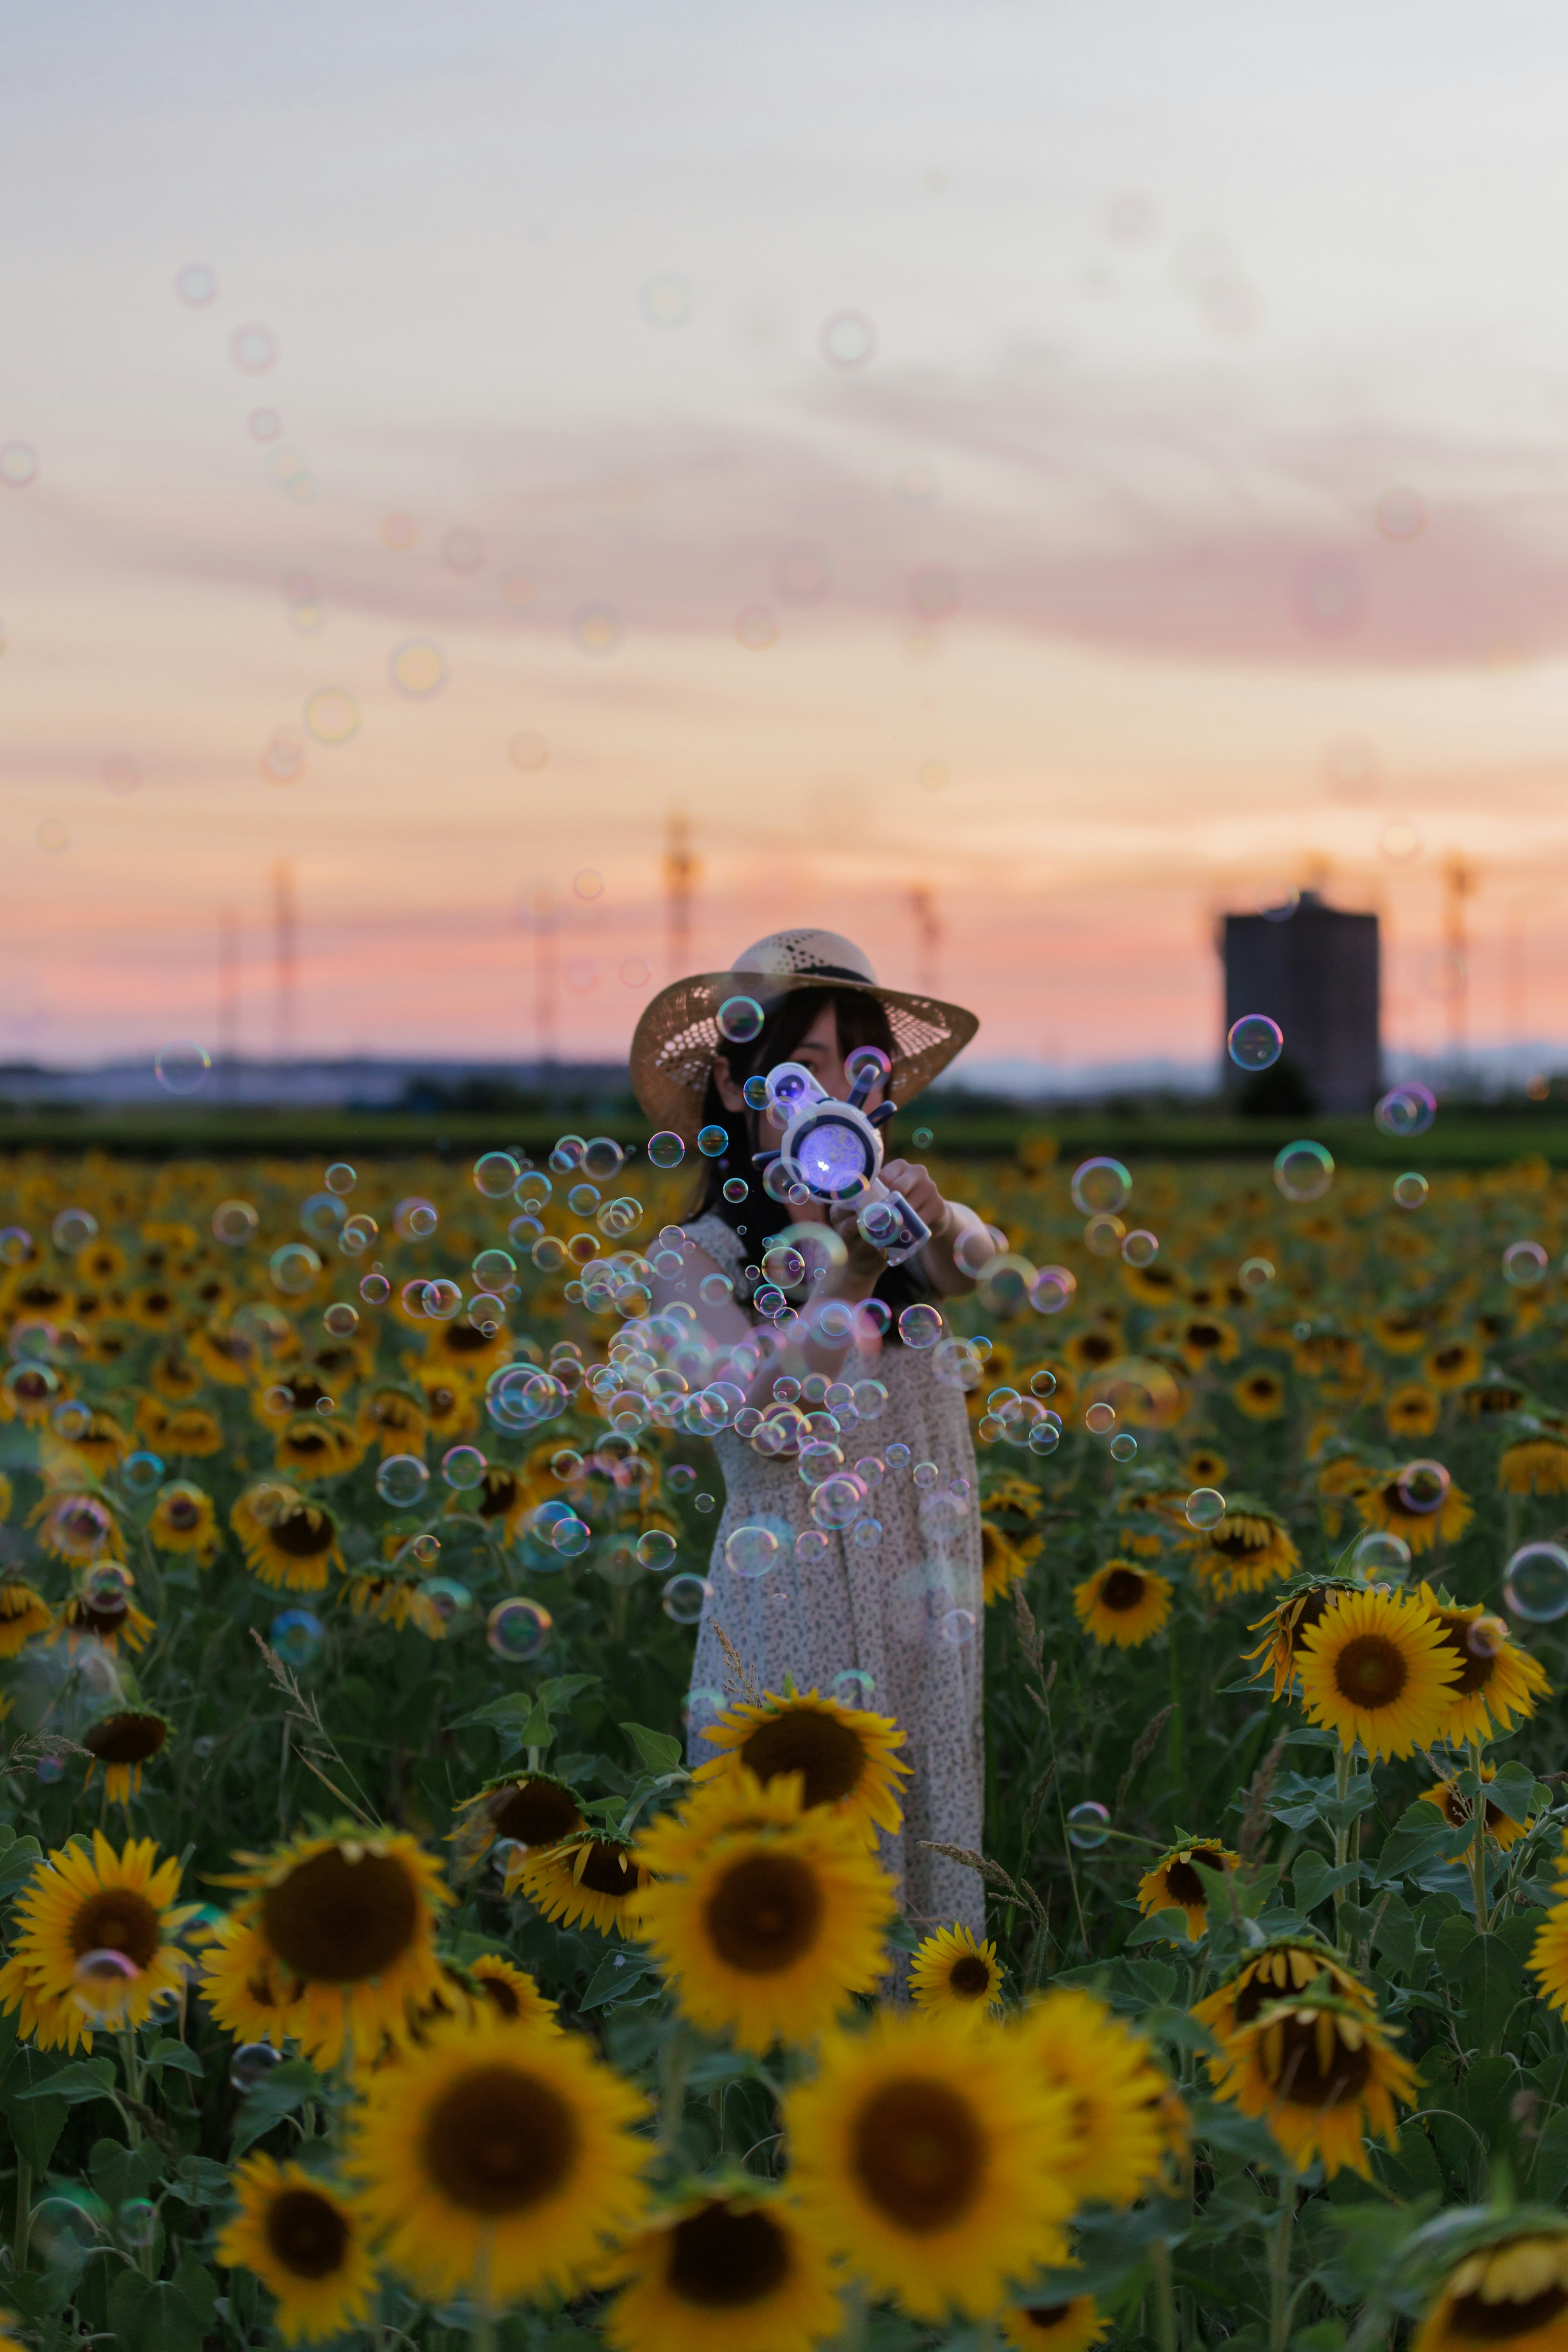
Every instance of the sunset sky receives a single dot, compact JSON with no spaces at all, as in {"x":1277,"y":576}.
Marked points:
{"x":1071,"y":469}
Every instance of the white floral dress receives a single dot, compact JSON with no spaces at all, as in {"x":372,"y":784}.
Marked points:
{"x":906,"y":1614}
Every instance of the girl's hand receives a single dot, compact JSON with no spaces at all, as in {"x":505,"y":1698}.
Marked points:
{"x":909,"y":1179}
{"x":856,"y":1278}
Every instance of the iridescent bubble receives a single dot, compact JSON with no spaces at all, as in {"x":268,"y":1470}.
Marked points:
{"x":1100,"y":1187}
{"x":1103,"y":1234}
{"x":464,"y":1467}
{"x":72,"y":1230}
{"x":921,"y":1326}
{"x":810,"y":1546}
{"x":685,"y":1597}
{"x":596,"y":630}
{"x":1485,"y":1637}
{"x":15,"y":1245}
{"x":332,"y":715}
{"x":1304,"y":1172}
{"x":415,"y":1219}
{"x":1123,"y":1447}
{"x":1407,"y":1110}
{"x":1380,"y":1555}
{"x":1524,"y":1265}
{"x":295,"y":1269}
{"x":571,"y":1535}
{"x":517,"y":1629}
{"x":1099,"y":1418}
{"x":182,"y":1069}
{"x":751,"y":1551}
{"x":141,"y":1471}
{"x":264,"y":424}
{"x":735,"y":1189}
{"x":496,"y":1175}
{"x":1053,"y":1288}
{"x":1255,"y":1042}
{"x":1256,"y":1273}
{"x":374,"y":1289}
{"x":296,"y":1636}
{"x":588,"y":884}
{"x":196,"y":285}
{"x":235,"y":1223}
{"x":711,"y":1142}
{"x":1141,"y":1248}
{"x":956,"y":1628}
{"x":528,"y":752}
{"x":1204,"y":1508}
{"x":655,"y":1549}
{"x":755,"y":628}
{"x":1423,"y":1487}
{"x":1089,"y":1826}
{"x":448,"y":1598}
{"x":866,"y":1535}
{"x":137,"y":2222}
{"x":741,"y":1020}
{"x":1535,"y":1583}
{"x":254,"y":349}
{"x":401,"y":1480}
{"x":18,"y":466}
{"x":548,"y":1253}
{"x":104,"y":1984}
{"x":417,"y":669}
{"x":853,"y":1687}
{"x":1410,"y":1189}
{"x":846,"y":339}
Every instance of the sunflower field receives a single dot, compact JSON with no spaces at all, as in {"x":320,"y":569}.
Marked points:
{"x":383,"y":1967}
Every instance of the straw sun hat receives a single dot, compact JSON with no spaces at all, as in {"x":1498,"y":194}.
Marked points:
{"x":679,"y":1034}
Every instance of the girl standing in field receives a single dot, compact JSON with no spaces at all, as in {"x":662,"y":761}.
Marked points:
{"x":896,"y":1626}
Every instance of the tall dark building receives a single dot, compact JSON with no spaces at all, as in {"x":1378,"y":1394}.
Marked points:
{"x":1316,"y":972}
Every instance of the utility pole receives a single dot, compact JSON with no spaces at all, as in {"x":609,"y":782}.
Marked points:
{"x":546,"y":922}
{"x":227,"y":998}
{"x":681,"y":868}
{"x":285,"y":953}
{"x":928,"y":939}
{"x":1459,"y":879}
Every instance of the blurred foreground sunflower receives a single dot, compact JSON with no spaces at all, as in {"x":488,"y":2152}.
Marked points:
{"x":1115,"y":2133}
{"x":1323,"y":2074}
{"x":111,"y":1915}
{"x":305,"y":2241}
{"x":122,"y":1743}
{"x":1075,"y":2326}
{"x":289,"y":1543}
{"x":23,"y":1613}
{"x":1278,"y":1972}
{"x":725,"y":2272}
{"x":1512,"y":2291}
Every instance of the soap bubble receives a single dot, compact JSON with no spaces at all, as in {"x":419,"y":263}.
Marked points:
{"x":1204,"y":1508}
{"x":296,"y":1636}
{"x":1380,"y":1555}
{"x":496,"y":1174}
{"x":685,"y":1597}
{"x":196,"y":285}
{"x":254,"y":349}
{"x":415,"y":1219}
{"x":332,"y":715}
{"x":854,"y":1687}
{"x":1410,"y":1189}
{"x":866,"y":1535}
{"x":1485,"y":1637}
{"x":838,"y":1501}
{"x":751,"y":1551}
{"x":1304,"y":1172}
{"x":1089,"y":1826}
{"x":463,"y":1468}
{"x":570,"y":1537}
{"x":1423,"y":1487}
{"x":956,"y":1628}
{"x":295,"y":1269}
{"x":141,"y":1471}
{"x":1100,"y":1187}
{"x":72,"y":1230}
{"x":665,"y":1149}
{"x":1407,"y":1110}
{"x":375,"y":1289}
{"x":739,"y":1019}
{"x":104,"y":1986}
{"x":920,"y":1326}
{"x":1535,"y":1583}
{"x":425,"y":1547}
{"x":1099,"y":1418}
{"x":15,"y":1245}
{"x":402,"y":1480}
{"x":1255,"y":1042}
{"x":182,"y":1069}
{"x":449,"y":1600}
{"x":251,"y":2063}
{"x":137,"y":2220}
{"x":1141,"y":1248}
{"x":1524,"y":1265}
{"x":1256,"y":1273}
{"x":1123,"y":1447}
{"x":712,"y":1141}
{"x":417,"y":669}
{"x":517,"y":1629}
{"x":847,"y":339}
{"x":810,"y":1546}
{"x":1053,"y":1288}
{"x":340,"y":1179}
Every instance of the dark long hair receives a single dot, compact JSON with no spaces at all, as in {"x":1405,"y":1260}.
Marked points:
{"x":862,"y":1021}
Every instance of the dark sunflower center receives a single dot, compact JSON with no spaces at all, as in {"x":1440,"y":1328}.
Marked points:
{"x":1470,"y":2319}
{"x":392,"y":1412}
{"x":500,"y":1494}
{"x":501,"y":1996}
{"x":464,"y":1339}
{"x":1122,"y":1589}
{"x":1300,"y":2075}
{"x":125,"y":1738}
{"x":304,"y":1533}
{"x":1308,"y":1610}
{"x":723,"y":2259}
{"x":306,"y":1390}
{"x":339,"y":1920}
{"x":1046,"y":2315}
{"x":536,"y":1814}
{"x":1474,"y":1673}
{"x":1239,"y":1543}
{"x":609,"y":1869}
{"x":1204,"y":1335}
{"x":1256,"y":1994}
{"x":765,"y":1913}
{"x":825,"y":1752}
{"x":304,"y":1443}
{"x":1182,"y":1884}
{"x":969,"y":1977}
{"x":919,"y":2154}
{"x":1094,"y":1349}
{"x":1448,"y":1359}
{"x":182,"y":1511}
{"x":102,"y":1616}
{"x":442,"y":1399}
{"x":1370,"y":1671}
{"x":117,"y":1920}
{"x":498,"y":2140}
{"x":306,"y":2233}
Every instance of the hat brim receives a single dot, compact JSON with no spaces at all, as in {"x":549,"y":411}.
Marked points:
{"x":679,"y":1034}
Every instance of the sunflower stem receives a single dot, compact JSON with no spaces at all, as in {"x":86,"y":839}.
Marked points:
{"x":1479,"y":1840}
{"x":1178,"y":1727}
{"x":1341,"y":1838}
{"x":24,"y":2214}
{"x":1165,"y":2295}
{"x":1280,"y":2267}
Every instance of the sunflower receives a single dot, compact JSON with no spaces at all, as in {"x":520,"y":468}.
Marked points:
{"x":953,"y":1969}
{"x":1511,"y":2293}
{"x":223,"y":1354}
{"x":174,"y":1378}
{"x":183,"y":1520}
{"x":448,"y":1401}
{"x":75,"y":1528}
{"x":1152,"y":1285}
{"x":106,"y":1616}
{"x":1497,"y":1687}
{"x":1330,"y":1356}
{"x":1490,"y":1397}
{"x":1278,"y":1972}
{"x":530,"y":1809}
{"x":844,"y":1754}
{"x":1341,"y":1481}
{"x":1301,"y":1606}
{"x":1534,"y":1464}
{"x":1246,"y":1552}
{"x":1401,"y":1330}
{"x":1144,"y":1515}
{"x":675,"y":1844}
{"x":1454,"y":1364}
{"x":247,"y":1988}
{"x":1206,"y":1340}
{"x":27,"y":1393}
{"x":188,"y":1429}
{"x":1460,"y":1814}
{"x":771,"y":1929}
{"x":153,"y":1306}
{"x":1205,"y":1467}
{"x":509,"y":1992}
{"x":1090,"y":1351}
{"x":465,"y":1347}
{"x":23,"y":1613}
{"x":1382,"y":1506}
{"x":122,"y":1743}
{"x":499,"y":2162}
{"x":304,"y":1448}
{"x":502,"y":1499}
{"x":1003,"y":1559}
{"x":1122,"y":1604}
{"x":598,"y":1880}
{"x":1323,"y":2076}
{"x":726,"y":2271}
{"x":1377,"y":1667}
{"x":1174,"y":1884}
{"x":398,"y":1601}
{"x":1115,"y":2140}
{"x":352,"y":1916}
{"x":99,"y":1448}
{"x":290,"y":1544}
{"x":931,"y":2163}
{"x":305,"y":2241}
{"x":1259,"y":1394}
{"x":1411,"y":1411}
{"x":1075,"y":2326}
{"x":102,"y":1262}
{"x":78,"y":1904}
